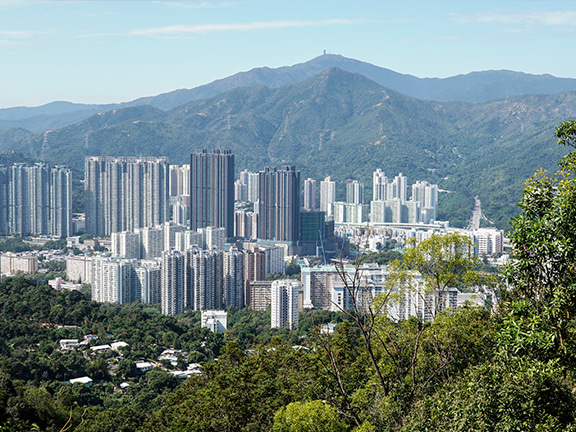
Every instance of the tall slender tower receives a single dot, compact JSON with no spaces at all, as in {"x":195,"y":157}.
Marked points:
{"x":234,"y":279}
{"x":310,"y":194}
{"x":401,"y":186}
{"x":354,"y":192}
{"x":379,"y":185}
{"x":212,"y":190}
{"x":3,"y":199}
{"x":279,"y":204}
{"x":172,"y":282}
{"x":327,"y":196}
{"x":204,"y":279}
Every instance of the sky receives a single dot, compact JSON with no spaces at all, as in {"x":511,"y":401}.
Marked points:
{"x":104,"y":51}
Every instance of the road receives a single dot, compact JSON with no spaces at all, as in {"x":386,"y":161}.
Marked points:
{"x":476,"y":215}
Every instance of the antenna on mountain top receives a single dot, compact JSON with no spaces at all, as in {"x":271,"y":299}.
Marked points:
{"x":324,"y":52}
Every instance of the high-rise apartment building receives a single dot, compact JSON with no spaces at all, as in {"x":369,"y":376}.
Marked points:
{"x":354,"y":192}
{"x":125,"y":193}
{"x":309,"y":194}
{"x":36,"y":200}
{"x":284,"y":301}
{"x":245,"y":224}
{"x":179,"y":180}
{"x":151,"y":242}
{"x":247,"y":187}
{"x":171,"y":230}
{"x":114,"y":280}
{"x":240,"y":191}
{"x":379,"y":185}
{"x":79,"y":268}
{"x":327,"y":196}
{"x":260,"y":297}
{"x":254,"y":270}
{"x":212,"y":190}
{"x":427,"y":195}
{"x":181,"y":210}
{"x":234,"y":279}
{"x":173,"y":282}
{"x":345,"y":212}
{"x":149,"y":281}
{"x":4,"y":175}
{"x":401,"y":186}
{"x":188,"y":239}
{"x":126,"y":244}
{"x":213,"y":237}
{"x":279,"y":204}
{"x":204,"y":284}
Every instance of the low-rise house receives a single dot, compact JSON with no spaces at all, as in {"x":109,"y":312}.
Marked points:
{"x":144,"y":366}
{"x":100,"y":348}
{"x":68,"y":344}
{"x":117,"y":345}
{"x":87,"y":381}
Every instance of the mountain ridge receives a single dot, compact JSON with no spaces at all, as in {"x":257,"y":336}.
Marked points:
{"x":343,"y":125}
{"x":474,"y":87}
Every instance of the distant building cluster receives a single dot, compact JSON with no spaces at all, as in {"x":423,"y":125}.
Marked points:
{"x":36,"y":200}
{"x":390,"y":202}
{"x":188,"y":271}
{"x":324,"y":288}
{"x":191,"y":237}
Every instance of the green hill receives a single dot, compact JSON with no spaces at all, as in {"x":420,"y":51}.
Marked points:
{"x":344,"y":125}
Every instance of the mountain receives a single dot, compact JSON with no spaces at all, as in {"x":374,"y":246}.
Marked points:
{"x":475,"y":87}
{"x":343,"y":125}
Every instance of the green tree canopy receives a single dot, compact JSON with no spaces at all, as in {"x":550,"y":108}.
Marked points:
{"x":312,"y":416}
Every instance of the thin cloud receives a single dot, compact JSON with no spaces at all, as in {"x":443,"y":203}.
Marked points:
{"x":7,"y":42}
{"x":200,"y":4}
{"x":182,"y":30}
{"x":544,"y":18}
{"x":22,"y":34}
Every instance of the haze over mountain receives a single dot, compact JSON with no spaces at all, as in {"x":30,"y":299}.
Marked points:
{"x":473,"y":87}
{"x":344,"y":125}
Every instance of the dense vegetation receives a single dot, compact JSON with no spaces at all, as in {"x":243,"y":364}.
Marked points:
{"x":467,"y":369}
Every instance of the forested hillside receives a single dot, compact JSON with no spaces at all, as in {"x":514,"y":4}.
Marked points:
{"x":510,"y":369}
{"x":343,"y":125}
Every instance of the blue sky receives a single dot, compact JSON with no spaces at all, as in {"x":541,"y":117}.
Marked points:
{"x":113,"y":51}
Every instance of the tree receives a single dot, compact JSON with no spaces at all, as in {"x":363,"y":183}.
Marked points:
{"x":444,"y":262}
{"x":540,"y":302}
{"x":126,"y":368}
{"x":307,"y":417}
{"x":500,"y":395}
{"x":407,"y":357}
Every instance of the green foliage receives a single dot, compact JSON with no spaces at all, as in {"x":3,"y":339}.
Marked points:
{"x":292,"y":269}
{"x":541,"y":299}
{"x":380,"y":258}
{"x":444,"y":262}
{"x":126,"y":368}
{"x":415,"y":358}
{"x":238,"y":393}
{"x":312,"y":416}
{"x":502,"y":395}
{"x":14,"y":244}
{"x":54,"y":244}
